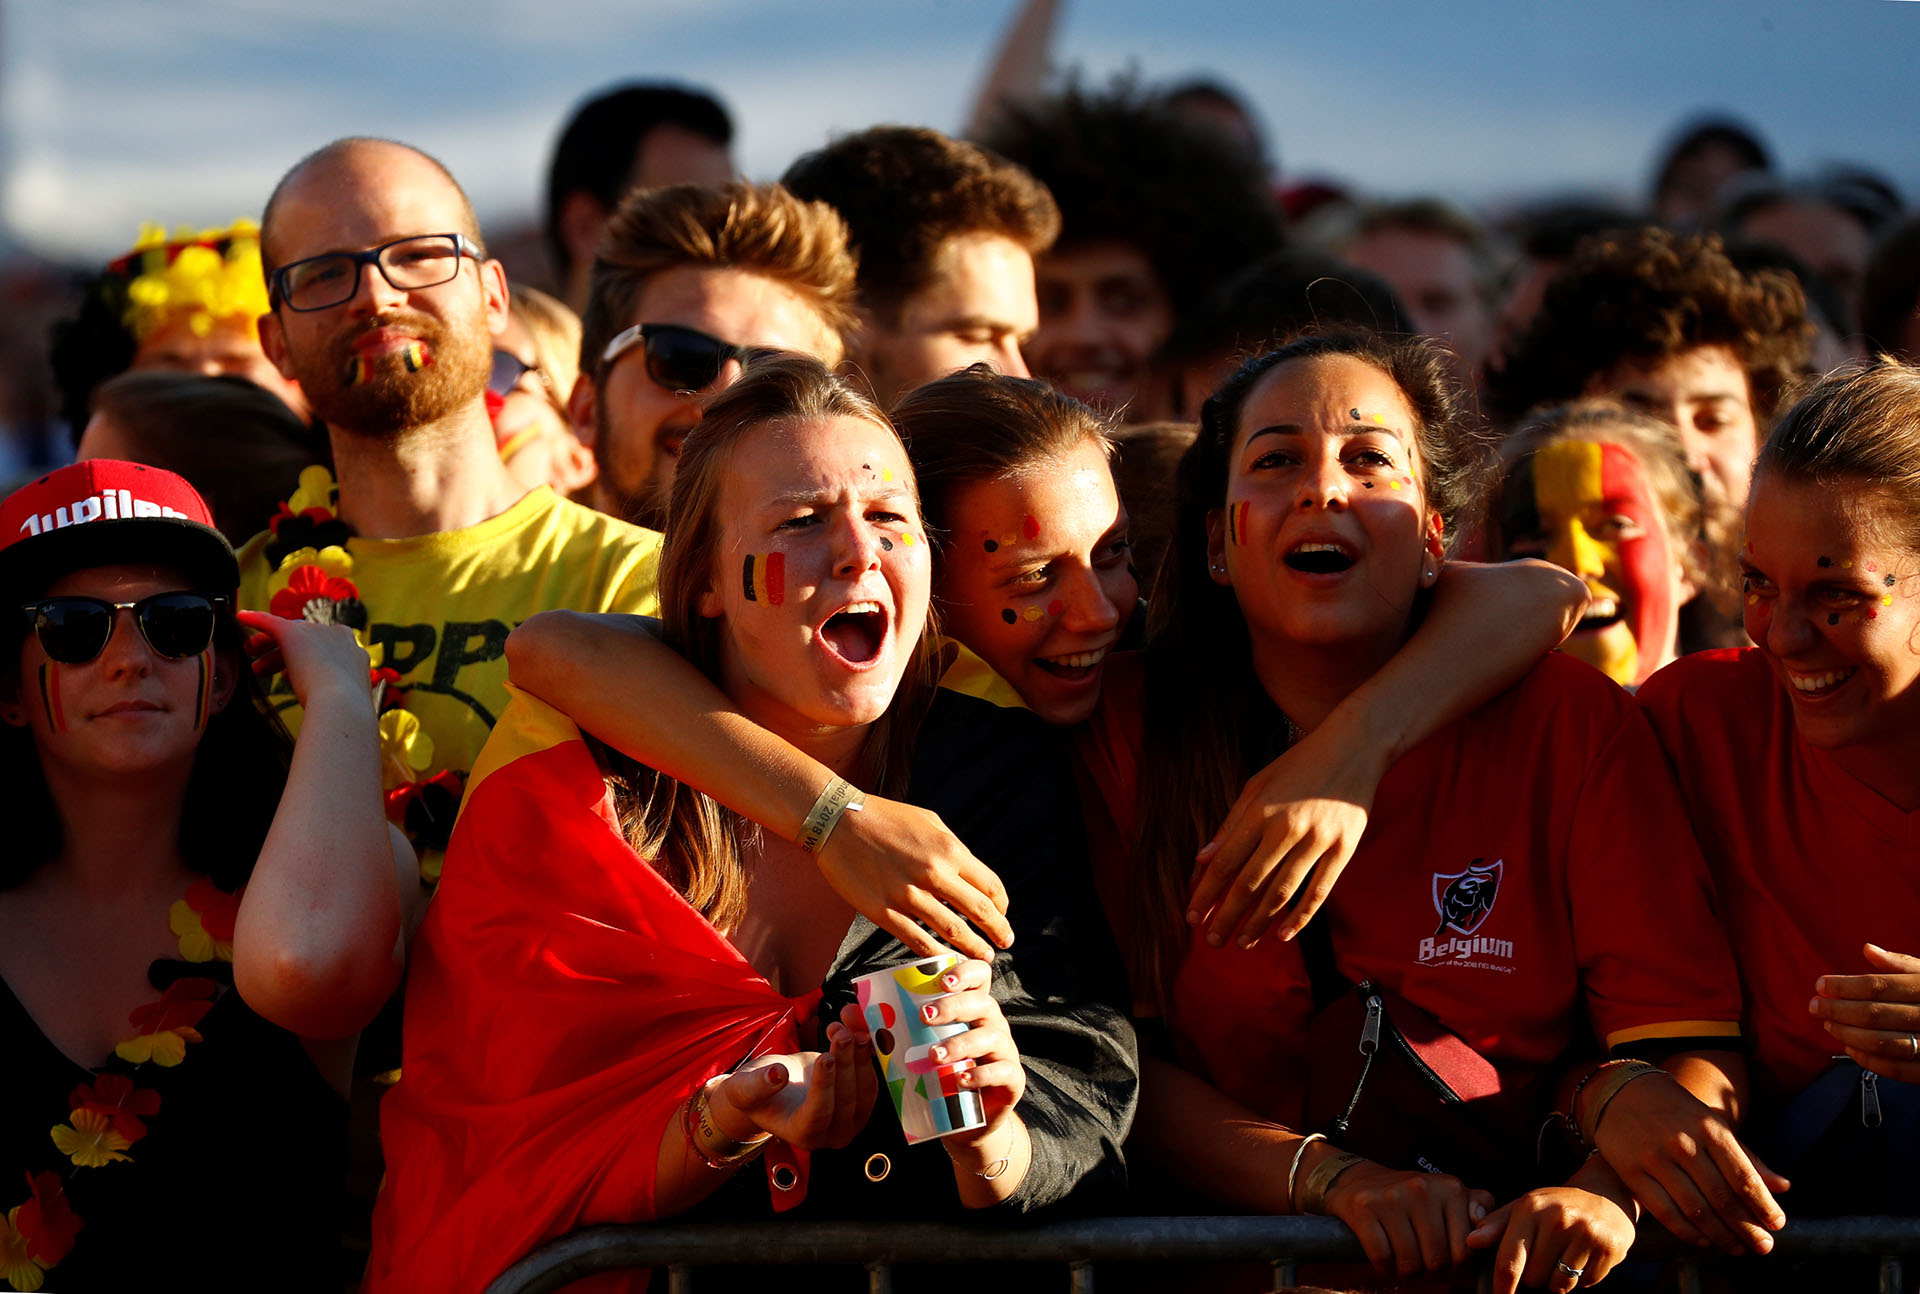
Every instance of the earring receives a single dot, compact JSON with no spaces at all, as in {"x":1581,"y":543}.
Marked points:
{"x":1218,"y":569}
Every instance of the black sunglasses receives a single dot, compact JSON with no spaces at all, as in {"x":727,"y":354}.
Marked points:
{"x":74,"y":630}
{"x":683,"y":360}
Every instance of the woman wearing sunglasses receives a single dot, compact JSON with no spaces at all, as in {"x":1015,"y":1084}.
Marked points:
{"x":196,"y":917}
{"x":535,"y":363}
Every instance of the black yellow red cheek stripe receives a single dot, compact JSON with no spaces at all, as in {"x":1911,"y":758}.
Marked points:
{"x":763,"y":578}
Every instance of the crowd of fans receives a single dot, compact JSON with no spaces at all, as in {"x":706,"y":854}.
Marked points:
{"x":1393,"y":718}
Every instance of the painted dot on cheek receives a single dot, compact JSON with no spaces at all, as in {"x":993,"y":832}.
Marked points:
{"x":1030,"y":526}
{"x":1032,"y":614}
{"x":1887,"y":580}
{"x":1055,"y":607}
{"x":1368,"y":484}
{"x":1887,"y":601}
{"x":1393,"y":485}
{"x":991,"y":546}
{"x":1825,"y":562}
{"x":1833,"y":619}
{"x":1009,"y":616}
{"x":1752,"y":598}
{"x":909,"y":539}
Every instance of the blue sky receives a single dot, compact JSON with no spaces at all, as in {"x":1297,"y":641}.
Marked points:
{"x":115,"y":111}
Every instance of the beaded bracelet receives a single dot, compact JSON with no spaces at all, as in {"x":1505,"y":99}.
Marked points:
{"x":1580,"y":1135}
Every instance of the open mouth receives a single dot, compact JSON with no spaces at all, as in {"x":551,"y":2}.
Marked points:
{"x":1319,"y":559}
{"x":1074,"y":667}
{"x":1602,"y":613}
{"x":856,"y":632}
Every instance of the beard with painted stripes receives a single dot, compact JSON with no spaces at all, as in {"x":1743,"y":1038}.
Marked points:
{"x":397,"y":371}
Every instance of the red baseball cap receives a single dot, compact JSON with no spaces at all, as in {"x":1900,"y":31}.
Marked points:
{"x":104,"y":512}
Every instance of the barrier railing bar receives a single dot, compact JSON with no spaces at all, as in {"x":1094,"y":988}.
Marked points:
{"x":1282,"y":1241}
{"x":1080,"y":1278}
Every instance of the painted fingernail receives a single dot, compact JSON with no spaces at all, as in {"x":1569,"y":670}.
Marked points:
{"x":827,"y":1061}
{"x":939,"y":1053}
{"x":927,"y":1013}
{"x":951,"y":981}
{"x":1477,"y":1211}
{"x":966,"y":1079}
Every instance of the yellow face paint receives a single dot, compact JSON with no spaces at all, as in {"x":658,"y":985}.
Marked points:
{"x":1567,"y":480}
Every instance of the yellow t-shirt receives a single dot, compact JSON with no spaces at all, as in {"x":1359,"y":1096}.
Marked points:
{"x":439,"y":607}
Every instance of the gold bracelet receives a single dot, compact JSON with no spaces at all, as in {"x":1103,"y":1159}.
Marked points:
{"x":715,"y":1148}
{"x":839,"y":796}
{"x":1619,"y":1074}
{"x":1324,"y":1175}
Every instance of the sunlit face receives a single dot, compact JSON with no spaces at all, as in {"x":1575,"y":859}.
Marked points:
{"x":635,"y":424}
{"x":1035,"y":578}
{"x":1705,"y":393}
{"x":229,"y":346}
{"x":821,"y":572}
{"x":979,"y":308}
{"x":1834,"y":604}
{"x":1590,"y":509}
{"x":1103,"y":314}
{"x":129,"y":710}
{"x":1325,"y":537}
{"x":387,"y":359}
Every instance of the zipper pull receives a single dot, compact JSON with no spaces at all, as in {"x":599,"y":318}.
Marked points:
{"x":1870,"y":1114}
{"x":1370,"y":1032}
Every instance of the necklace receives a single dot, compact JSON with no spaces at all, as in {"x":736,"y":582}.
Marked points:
{"x":107,"y":1117}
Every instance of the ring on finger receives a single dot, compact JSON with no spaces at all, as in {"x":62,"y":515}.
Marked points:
{"x":1567,"y":1270}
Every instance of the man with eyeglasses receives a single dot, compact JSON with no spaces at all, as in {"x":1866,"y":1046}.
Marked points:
{"x":385,"y":307}
{"x":691,"y":283}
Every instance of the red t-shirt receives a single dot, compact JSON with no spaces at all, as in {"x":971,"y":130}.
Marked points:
{"x":1527,"y":877}
{"x":1810,"y":864}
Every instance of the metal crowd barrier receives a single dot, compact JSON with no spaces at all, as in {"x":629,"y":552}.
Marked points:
{"x":1284,"y":1242}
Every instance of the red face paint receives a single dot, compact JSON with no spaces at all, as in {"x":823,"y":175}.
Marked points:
{"x":763,"y":578}
{"x":1646,"y":562}
{"x":1030,"y":526}
{"x":50,"y":696}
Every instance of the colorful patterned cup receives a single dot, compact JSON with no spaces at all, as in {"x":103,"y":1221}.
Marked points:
{"x":926,"y":1094}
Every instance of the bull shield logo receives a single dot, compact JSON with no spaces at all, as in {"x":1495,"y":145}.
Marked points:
{"x":1464,"y":900}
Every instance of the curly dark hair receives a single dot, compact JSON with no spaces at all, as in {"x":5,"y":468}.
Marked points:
{"x":904,"y":191}
{"x":1125,"y":166}
{"x":1649,"y":295}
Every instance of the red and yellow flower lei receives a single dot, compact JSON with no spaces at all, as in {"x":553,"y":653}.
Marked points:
{"x":313,"y":580}
{"x":107,"y":1117}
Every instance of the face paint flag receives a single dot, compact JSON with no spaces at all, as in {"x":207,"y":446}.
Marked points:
{"x":763,"y":578}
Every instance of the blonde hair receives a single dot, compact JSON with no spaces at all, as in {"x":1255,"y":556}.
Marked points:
{"x":759,"y":228}
{"x":692,"y":841}
{"x":555,"y":333}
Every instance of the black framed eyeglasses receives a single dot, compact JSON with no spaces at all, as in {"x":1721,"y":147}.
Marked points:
{"x":683,"y":360}
{"x":322,"y":282}
{"x":73,"y":630}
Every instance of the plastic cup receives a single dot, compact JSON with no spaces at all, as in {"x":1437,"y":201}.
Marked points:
{"x":926,"y":1094}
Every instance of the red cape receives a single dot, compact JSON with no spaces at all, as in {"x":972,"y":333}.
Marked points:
{"x":562,"y":1002}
